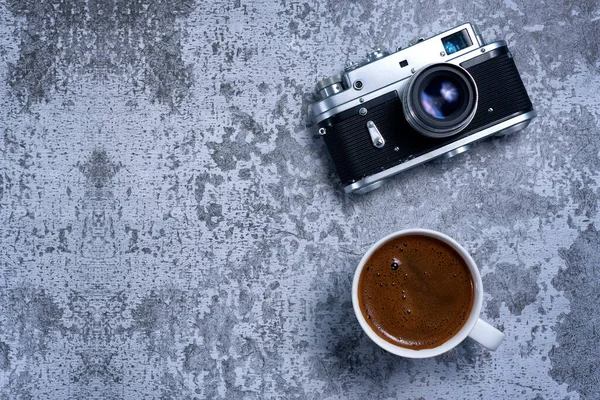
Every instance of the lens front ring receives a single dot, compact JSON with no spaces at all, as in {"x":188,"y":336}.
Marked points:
{"x":436,"y":117}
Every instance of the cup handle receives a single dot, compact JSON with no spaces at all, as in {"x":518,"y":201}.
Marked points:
{"x":486,"y":334}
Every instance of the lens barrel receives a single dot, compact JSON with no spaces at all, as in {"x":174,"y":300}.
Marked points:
{"x":440,"y":100}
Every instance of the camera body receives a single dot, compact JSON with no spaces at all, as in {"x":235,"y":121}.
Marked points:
{"x":431,"y":99}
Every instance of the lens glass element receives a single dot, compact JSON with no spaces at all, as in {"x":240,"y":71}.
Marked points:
{"x":441,"y":97}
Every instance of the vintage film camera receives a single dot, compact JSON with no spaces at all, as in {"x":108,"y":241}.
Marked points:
{"x":433,"y":98}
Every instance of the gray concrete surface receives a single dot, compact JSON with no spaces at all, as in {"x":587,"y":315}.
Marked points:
{"x":172,"y":227}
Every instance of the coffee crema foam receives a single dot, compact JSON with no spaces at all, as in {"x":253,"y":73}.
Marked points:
{"x":416,"y":292}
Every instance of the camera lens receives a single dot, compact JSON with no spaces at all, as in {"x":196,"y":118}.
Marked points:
{"x":440,"y":100}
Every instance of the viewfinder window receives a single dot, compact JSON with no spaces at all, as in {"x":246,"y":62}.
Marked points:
{"x":457,"y":41}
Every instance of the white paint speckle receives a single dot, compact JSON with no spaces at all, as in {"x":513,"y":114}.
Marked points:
{"x":533,"y":28}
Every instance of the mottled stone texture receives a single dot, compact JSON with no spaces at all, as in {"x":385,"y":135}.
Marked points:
{"x":171,"y":226}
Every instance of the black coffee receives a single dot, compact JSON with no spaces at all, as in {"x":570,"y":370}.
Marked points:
{"x":416,"y":292}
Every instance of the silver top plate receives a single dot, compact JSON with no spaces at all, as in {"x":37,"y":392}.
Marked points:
{"x":377,"y":77}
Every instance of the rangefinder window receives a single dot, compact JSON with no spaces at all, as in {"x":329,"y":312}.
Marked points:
{"x":456,"y":42}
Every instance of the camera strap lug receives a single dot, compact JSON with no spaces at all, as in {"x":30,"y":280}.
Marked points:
{"x":376,"y":137}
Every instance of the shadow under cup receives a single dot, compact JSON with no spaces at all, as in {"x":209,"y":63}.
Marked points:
{"x":417,"y":293}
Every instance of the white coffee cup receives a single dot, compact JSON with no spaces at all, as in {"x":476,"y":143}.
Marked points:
{"x":475,"y":328}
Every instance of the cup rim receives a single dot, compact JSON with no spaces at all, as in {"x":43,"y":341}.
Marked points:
{"x":454,"y":340}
